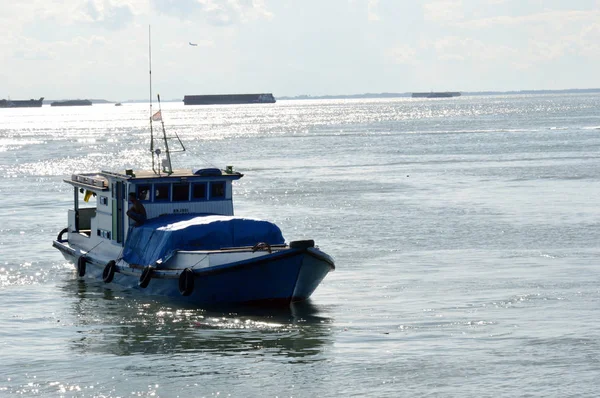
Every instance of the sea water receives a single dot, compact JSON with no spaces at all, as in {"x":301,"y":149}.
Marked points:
{"x":465,"y":232}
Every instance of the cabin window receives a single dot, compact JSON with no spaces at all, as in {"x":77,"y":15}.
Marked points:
{"x":217,"y":190}
{"x":104,"y":200}
{"x":143,"y":192}
{"x":199,"y":191}
{"x":161,"y":192}
{"x":181,"y":192}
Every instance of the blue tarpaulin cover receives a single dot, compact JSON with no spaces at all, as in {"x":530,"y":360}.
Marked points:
{"x":157,"y":238}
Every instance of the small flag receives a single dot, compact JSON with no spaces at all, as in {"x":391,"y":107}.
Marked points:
{"x":157,"y":117}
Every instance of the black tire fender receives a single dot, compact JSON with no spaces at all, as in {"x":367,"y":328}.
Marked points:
{"x":146,"y":277}
{"x":109,"y":271}
{"x":61,"y":233}
{"x":186,"y":282}
{"x":302,"y":244}
{"x":81,"y":262}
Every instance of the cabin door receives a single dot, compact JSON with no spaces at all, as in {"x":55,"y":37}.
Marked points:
{"x":117,"y":211}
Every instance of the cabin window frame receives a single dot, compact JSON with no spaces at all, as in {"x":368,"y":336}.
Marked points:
{"x":193,"y":197}
{"x":215,"y":184}
{"x":155,"y":187}
{"x":138,"y":191}
{"x":180,"y":184}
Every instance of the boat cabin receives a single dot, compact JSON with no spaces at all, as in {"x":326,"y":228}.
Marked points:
{"x":100,"y":199}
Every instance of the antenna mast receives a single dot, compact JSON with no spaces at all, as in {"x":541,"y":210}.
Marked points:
{"x":150,"y":76}
{"x":166,"y":167}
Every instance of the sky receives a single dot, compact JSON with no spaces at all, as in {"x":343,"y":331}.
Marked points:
{"x":99,"y":49}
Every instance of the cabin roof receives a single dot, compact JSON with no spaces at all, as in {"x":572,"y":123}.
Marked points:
{"x":99,"y":180}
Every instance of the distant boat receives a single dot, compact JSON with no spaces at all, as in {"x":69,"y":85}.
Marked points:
{"x":193,"y":44}
{"x":72,"y":103}
{"x":222,"y":99}
{"x":118,"y":104}
{"x":434,"y":94}
{"x":32,"y":103}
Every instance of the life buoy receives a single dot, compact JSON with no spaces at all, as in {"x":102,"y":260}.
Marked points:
{"x":81,"y":262}
{"x":186,"y":282}
{"x":145,"y":277}
{"x":302,"y":244}
{"x":109,"y":271}
{"x":61,"y":233}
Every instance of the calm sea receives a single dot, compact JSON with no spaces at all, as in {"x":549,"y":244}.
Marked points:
{"x":465,"y":232}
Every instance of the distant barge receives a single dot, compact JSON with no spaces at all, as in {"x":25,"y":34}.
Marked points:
{"x":32,"y":103}
{"x":72,"y":103}
{"x":433,"y":94}
{"x":222,"y":99}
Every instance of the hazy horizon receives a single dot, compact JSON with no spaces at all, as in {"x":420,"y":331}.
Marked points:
{"x":99,"y":48}
{"x":340,"y":96}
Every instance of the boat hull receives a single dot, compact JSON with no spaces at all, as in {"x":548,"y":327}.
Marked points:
{"x":72,"y":103}
{"x":32,"y":103}
{"x":280,"y":278}
{"x":228,"y":99}
{"x":434,"y":94}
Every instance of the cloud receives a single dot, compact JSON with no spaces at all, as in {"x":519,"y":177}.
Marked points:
{"x":111,"y":16}
{"x":523,"y":41}
{"x":258,"y":10}
{"x":219,"y":13}
{"x":30,"y":53}
{"x":443,"y":11}
{"x":553,"y":18}
{"x":183,"y":9}
{"x":372,"y":10}
{"x":532,"y":53}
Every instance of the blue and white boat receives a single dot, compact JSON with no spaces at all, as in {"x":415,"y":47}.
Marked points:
{"x":191,"y":246}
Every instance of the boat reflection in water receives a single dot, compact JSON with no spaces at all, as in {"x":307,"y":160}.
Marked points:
{"x":119,"y":322}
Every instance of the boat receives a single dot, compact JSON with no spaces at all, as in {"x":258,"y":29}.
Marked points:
{"x":439,"y":94}
{"x":191,"y":245}
{"x":72,"y":103}
{"x":118,"y":104}
{"x":31,"y":103}
{"x":225,"y":99}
